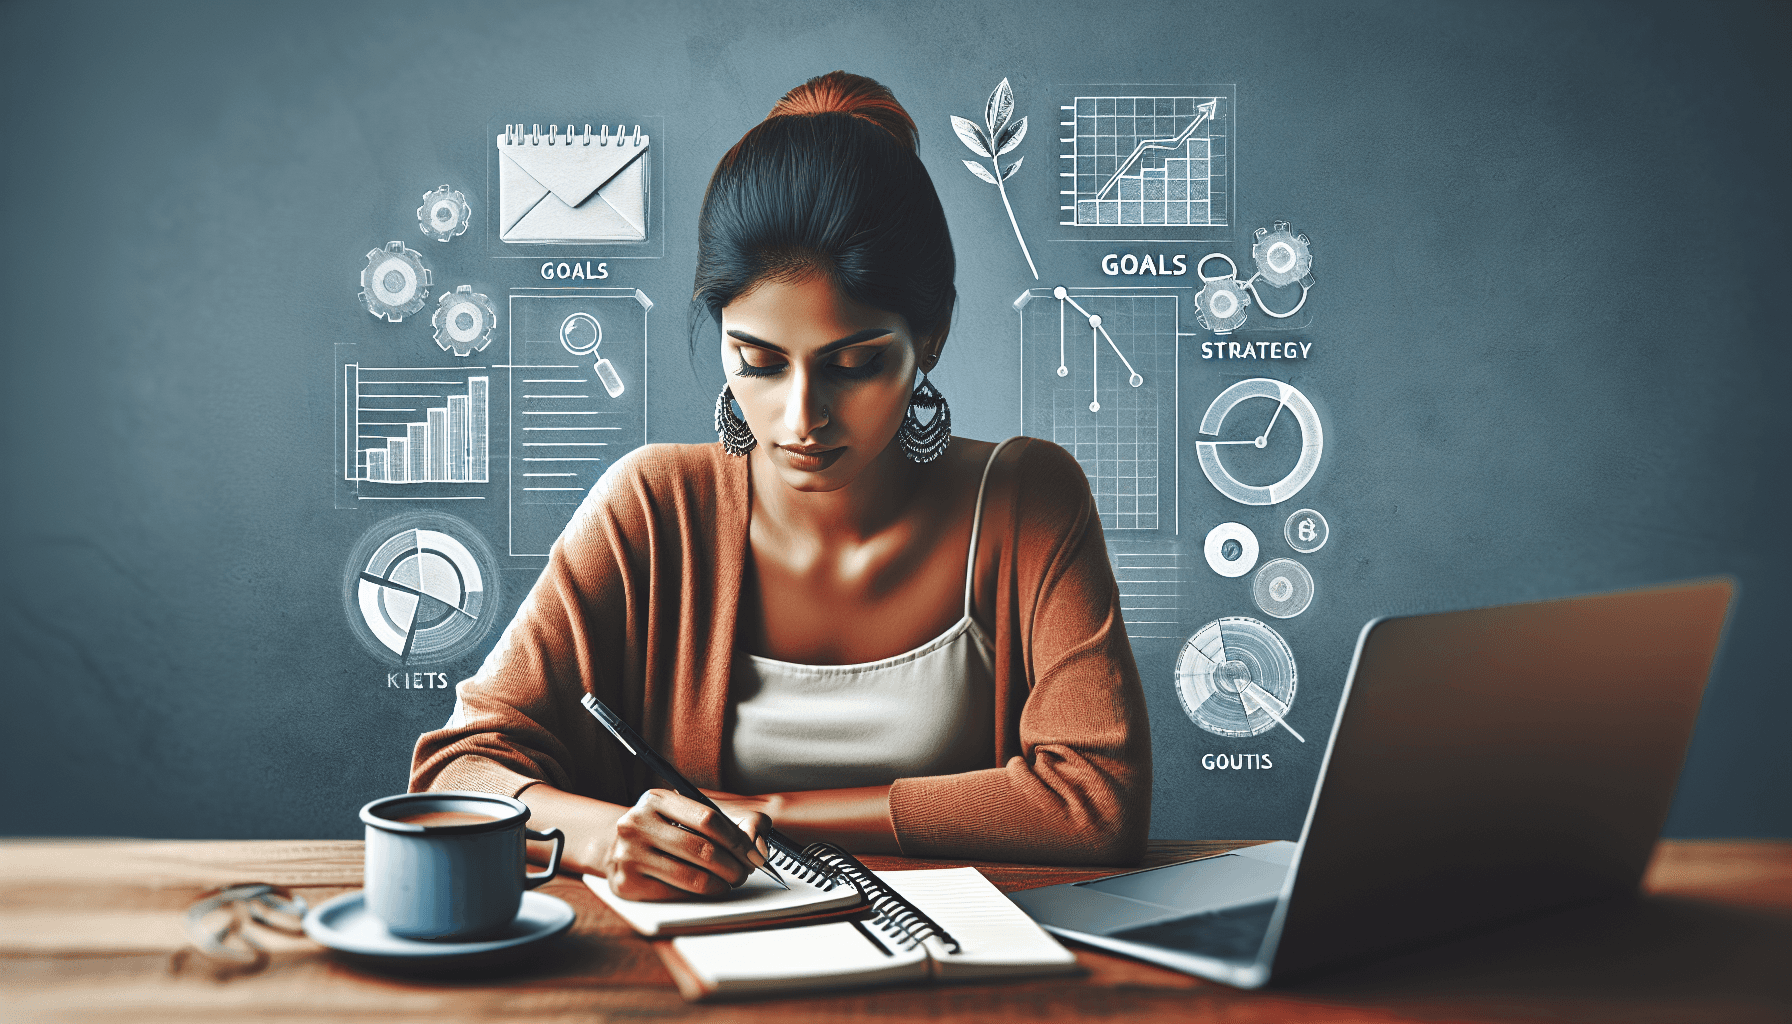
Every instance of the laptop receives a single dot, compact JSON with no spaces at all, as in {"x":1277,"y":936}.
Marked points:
{"x":1485,"y":765}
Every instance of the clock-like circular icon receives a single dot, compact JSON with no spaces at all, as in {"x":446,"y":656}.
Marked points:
{"x":1306,"y":419}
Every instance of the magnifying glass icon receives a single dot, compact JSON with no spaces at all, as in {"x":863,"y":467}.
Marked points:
{"x":581,"y":334}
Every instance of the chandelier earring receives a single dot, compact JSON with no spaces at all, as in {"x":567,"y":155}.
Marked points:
{"x":924,"y":442}
{"x":736,"y":437}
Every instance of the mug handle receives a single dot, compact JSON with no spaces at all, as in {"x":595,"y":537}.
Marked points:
{"x":531,"y":879}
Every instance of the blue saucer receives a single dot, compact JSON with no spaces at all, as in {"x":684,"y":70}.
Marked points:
{"x":344,"y":924}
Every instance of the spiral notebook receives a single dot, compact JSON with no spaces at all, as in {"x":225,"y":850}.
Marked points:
{"x":949,"y":924}
{"x":815,"y":891}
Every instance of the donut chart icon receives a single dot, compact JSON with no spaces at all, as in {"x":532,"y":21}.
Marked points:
{"x":421,"y":589}
{"x":1301,"y":413}
{"x":1231,"y":549}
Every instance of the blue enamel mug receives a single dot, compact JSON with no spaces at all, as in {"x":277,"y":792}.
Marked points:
{"x":450,"y":865}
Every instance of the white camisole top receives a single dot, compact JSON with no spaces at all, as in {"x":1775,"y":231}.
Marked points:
{"x":929,"y":711}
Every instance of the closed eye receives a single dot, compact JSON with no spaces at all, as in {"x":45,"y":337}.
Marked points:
{"x":758,"y":362}
{"x":858,"y":363}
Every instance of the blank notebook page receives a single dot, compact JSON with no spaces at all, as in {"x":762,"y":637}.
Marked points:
{"x":993,"y":934}
{"x":837,"y":952}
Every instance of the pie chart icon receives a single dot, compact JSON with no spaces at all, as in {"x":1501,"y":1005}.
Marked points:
{"x":421,"y":589}
{"x":1236,"y":677}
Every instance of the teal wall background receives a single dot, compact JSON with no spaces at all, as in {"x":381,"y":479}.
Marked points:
{"x":1550,"y":343}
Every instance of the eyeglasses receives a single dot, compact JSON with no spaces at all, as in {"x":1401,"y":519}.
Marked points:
{"x":218,"y":923}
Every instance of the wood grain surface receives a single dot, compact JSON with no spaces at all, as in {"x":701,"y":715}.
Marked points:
{"x":89,"y":930}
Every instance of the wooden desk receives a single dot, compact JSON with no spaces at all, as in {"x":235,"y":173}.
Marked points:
{"x":89,"y":930}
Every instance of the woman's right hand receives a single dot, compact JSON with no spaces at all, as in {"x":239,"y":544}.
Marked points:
{"x":653,"y":858}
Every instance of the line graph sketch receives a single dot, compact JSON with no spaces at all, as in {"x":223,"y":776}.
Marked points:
{"x":1152,"y":161}
{"x":1097,"y":334}
{"x":1099,"y":378}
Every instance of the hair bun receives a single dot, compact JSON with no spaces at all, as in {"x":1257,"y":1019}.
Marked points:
{"x":840,"y":93}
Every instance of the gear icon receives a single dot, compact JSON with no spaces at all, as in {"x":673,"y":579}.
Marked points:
{"x":464,"y":320}
{"x":1283,"y":258}
{"x":395,"y":282}
{"x":444,"y":214}
{"x":1221,"y":304}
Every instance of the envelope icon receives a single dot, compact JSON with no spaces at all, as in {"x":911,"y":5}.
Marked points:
{"x":566,"y":188}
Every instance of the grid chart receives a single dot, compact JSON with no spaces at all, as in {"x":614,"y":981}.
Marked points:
{"x":1117,"y":448}
{"x":1146,"y":160}
{"x":450,"y":444}
{"x":1150,"y":593}
{"x":1127,"y":443}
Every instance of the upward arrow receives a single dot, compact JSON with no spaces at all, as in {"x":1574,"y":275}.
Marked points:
{"x":1203,"y":113}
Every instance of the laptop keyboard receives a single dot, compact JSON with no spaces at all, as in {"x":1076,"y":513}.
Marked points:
{"x":1232,"y":933}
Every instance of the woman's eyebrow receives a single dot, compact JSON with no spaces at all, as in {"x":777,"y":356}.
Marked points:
{"x":851,"y":339}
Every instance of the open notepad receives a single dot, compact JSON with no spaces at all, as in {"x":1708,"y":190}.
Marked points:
{"x":758,"y":900}
{"x":948,"y":924}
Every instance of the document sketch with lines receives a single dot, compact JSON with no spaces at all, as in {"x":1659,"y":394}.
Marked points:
{"x":578,"y":366}
{"x":1150,"y":583}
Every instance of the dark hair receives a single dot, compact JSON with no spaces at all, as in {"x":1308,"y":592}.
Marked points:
{"x":828,"y":183}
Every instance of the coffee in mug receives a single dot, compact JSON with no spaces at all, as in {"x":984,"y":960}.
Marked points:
{"x":450,"y":865}
{"x":427,"y":818}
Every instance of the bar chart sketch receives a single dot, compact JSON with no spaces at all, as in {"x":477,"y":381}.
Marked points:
{"x":1099,"y":378}
{"x":578,"y":367}
{"x":1147,"y":161}
{"x":415,"y":425}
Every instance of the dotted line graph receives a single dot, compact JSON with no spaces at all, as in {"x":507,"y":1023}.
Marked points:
{"x":1099,"y":378}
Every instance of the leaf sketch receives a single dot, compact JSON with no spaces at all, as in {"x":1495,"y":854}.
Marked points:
{"x":973,"y":136}
{"x":981,"y":171}
{"x":994,"y":139}
{"x":1011,"y":136}
{"x":999,"y":108}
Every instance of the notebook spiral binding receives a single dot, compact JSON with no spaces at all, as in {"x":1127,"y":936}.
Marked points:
{"x":795,"y":863}
{"x":913,"y":924}
{"x":515,"y":136}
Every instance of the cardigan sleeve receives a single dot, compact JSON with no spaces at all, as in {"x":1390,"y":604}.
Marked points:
{"x":518,"y":721}
{"x":1079,"y":788}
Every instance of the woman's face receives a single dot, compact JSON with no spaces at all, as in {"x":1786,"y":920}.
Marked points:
{"x":822,"y":381}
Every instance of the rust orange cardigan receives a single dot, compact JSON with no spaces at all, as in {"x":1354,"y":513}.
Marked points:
{"x":637,"y":605}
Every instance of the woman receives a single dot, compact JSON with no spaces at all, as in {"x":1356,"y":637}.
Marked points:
{"x":839,"y":618}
